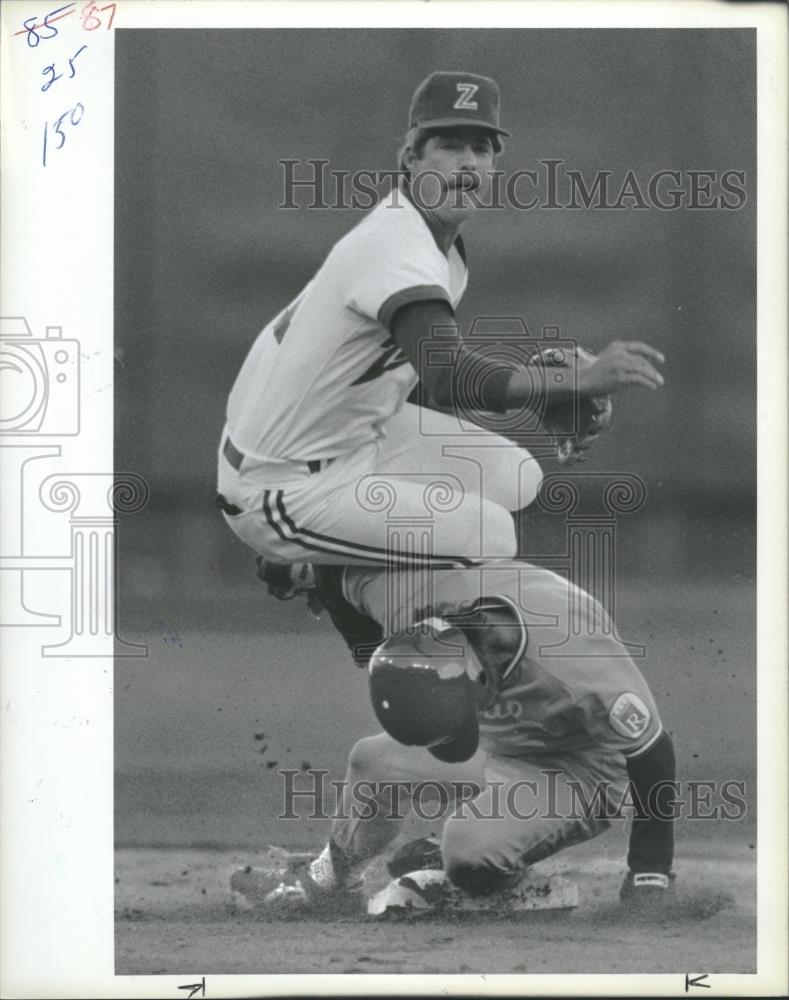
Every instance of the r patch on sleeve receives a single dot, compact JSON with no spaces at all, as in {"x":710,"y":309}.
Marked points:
{"x":629,"y":716}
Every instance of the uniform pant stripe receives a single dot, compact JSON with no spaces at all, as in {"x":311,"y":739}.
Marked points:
{"x":340,"y":546}
{"x":444,"y":561}
{"x":334,"y":550}
{"x":297,"y":541}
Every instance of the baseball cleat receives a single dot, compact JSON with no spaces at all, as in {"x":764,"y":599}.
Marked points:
{"x":304,"y":896}
{"x":287,"y":899}
{"x":646,"y":892}
{"x":254,"y":883}
{"x":429,"y":891}
{"x":297,"y":883}
{"x":424,"y":852}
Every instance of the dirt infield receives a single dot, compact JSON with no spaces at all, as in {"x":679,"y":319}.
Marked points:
{"x":175,"y":913}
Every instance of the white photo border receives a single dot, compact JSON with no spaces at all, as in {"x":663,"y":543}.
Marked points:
{"x":57,"y":268}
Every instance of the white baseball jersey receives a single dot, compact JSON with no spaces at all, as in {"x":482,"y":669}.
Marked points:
{"x":552,"y":700}
{"x":323,"y":375}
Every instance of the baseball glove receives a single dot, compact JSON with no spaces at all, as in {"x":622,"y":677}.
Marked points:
{"x":577,"y":422}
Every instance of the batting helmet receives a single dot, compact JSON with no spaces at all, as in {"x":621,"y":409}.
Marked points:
{"x":427,"y":687}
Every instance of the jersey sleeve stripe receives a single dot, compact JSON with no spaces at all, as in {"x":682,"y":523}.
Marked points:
{"x":649,"y":743}
{"x":524,"y":635}
{"x":417,"y":293}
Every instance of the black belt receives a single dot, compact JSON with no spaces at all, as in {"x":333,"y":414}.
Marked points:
{"x":226,"y":507}
{"x":232,"y":454}
{"x":235,"y":457}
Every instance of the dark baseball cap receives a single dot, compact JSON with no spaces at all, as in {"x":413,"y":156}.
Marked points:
{"x":447,"y":99}
{"x":426,"y":688}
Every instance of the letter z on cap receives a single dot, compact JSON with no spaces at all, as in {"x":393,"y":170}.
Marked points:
{"x":446,"y":99}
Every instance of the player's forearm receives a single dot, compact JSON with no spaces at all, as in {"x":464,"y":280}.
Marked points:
{"x":478,"y":383}
{"x":652,"y":777}
{"x":459,"y":377}
{"x":534,"y":387}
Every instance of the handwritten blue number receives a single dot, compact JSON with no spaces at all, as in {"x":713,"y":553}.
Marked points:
{"x":71,"y":60}
{"x":59,"y":76}
{"x":74,"y":115}
{"x":52,"y":13}
{"x":31,"y":32}
{"x":33,"y":37}
{"x":51,"y":27}
{"x":55,"y":76}
{"x":57,"y":125}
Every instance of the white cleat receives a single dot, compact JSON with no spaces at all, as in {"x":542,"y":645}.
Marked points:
{"x":287,"y":899}
{"x":305,"y":896}
{"x":252,"y":884}
{"x":285,"y":887}
{"x":430,"y":891}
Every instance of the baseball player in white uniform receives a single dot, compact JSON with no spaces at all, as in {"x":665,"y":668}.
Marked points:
{"x":321,"y":450}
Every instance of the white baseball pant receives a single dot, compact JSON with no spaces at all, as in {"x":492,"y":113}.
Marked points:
{"x":432,"y":491}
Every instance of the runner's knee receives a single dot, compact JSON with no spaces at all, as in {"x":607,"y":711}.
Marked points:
{"x":468,"y":859}
{"x":479,"y":880}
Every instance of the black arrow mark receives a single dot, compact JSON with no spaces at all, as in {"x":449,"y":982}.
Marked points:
{"x":200,"y":988}
{"x":696,"y":981}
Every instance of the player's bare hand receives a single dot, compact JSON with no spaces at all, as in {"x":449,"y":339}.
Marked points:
{"x":622,"y":363}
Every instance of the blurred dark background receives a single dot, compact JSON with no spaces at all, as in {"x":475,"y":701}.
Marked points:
{"x":204,"y":257}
